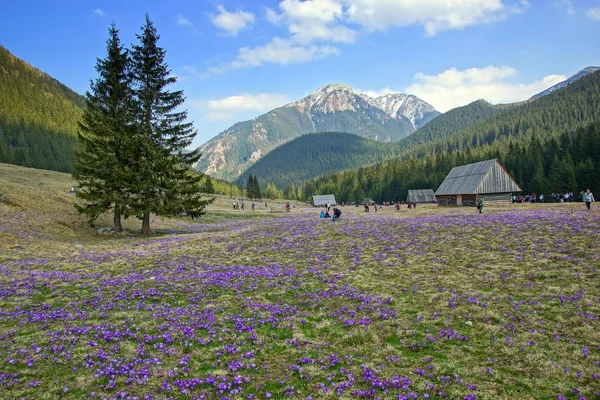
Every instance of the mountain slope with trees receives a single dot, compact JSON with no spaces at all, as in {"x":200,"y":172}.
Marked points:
{"x":316,"y":154}
{"x":38,"y":117}
{"x":550,"y":144}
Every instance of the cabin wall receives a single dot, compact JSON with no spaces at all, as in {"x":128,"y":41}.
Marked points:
{"x":447,"y":200}
{"x":496,"y":198}
{"x":468,"y":200}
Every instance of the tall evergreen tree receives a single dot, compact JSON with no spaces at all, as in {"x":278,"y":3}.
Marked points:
{"x":250,"y":187}
{"x":208,"y":187}
{"x":103,"y":163}
{"x":164,"y":184}
{"x":257,"y":192}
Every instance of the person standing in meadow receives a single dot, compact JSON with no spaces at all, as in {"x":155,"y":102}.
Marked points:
{"x":589,"y":197}
{"x":480,"y":204}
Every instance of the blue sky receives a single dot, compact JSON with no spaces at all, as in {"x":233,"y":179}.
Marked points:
{"x":236,"y":60}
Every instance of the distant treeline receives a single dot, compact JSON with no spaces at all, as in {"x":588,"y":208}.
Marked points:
{"x":567,"y":162}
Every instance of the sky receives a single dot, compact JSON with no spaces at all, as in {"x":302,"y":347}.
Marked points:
{"x":236,"y":60}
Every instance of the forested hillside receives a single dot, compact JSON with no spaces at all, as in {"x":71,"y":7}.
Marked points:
{"x":453,"y":121}
{"x":551,"y":144}
{"x":316,"y":154}
{"x":38,"y":117}
{"x":546,"y":117}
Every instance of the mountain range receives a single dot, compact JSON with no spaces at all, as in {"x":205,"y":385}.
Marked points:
{"x":550,"y":144}
{"x":39,"y":117}
{"x":330,"y":108}
{"x":584,"y":72}
{"x":312,"y":155}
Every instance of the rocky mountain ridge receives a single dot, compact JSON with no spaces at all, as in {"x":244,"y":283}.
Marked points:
{"x":334,"y":107}
{"x":584,"y":72}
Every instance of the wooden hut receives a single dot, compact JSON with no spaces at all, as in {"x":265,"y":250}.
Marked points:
{"x":487,"y":179}
{"x":421,"y":196}
{"x":321,"y":200}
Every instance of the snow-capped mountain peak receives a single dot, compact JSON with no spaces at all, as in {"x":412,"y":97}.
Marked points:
{"x":340,"y":97}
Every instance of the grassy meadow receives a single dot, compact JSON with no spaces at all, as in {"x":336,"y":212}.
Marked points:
{"x":430,"y":303}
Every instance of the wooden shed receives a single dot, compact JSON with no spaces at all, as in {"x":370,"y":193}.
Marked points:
{"x":487,"y":179}
{"x":321,"y":200}
{"x":420,"y":196}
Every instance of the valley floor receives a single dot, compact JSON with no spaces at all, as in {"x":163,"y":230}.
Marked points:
{"x":425,"y":303}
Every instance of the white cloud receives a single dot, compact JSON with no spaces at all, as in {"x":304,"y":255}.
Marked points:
{"x":232,"y":22}
{"x":454,"y":88}
{"x":313,"y":20}
{"x":229,"y":107}
{"x":434,"y":15}
{"x":376,"y":93}
{"x":98,"y":12}
{"x":593,"y":13}
{"x":567,"y":4}
{"x":181,"y":20}
{"x":521,"y":7}
{"x":278,"y":51}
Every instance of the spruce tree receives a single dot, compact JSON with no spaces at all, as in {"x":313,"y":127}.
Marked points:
{"x":165,"y":184}
{"x":256,"y":188}
{"x":208,"y":187}
{"x":250,"y":187}
{"x":102,"y":162}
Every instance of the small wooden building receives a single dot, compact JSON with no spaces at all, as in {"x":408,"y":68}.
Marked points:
{"x":321,"y":200}
{"x":487,"y":179}
{"x":420,"y":196}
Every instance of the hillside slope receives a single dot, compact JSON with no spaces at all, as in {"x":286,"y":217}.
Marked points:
{"x":315,"y":154}
{"x":583,"y":73}
{"x":38,"y":117}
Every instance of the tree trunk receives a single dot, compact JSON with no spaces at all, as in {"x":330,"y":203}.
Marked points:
{"x":146,"y":224}
{"x":117,"y":218}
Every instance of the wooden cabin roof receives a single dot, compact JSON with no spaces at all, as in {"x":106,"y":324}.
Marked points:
{"x":421,"y":196}
{"x":478,"y":178}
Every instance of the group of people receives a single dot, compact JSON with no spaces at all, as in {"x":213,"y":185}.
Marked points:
{"x":565,"y":197}
{"x":368,"y":208}
{"x":336,"y":213}
{"x":527,"y":198}
{"x":586,"y":197}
